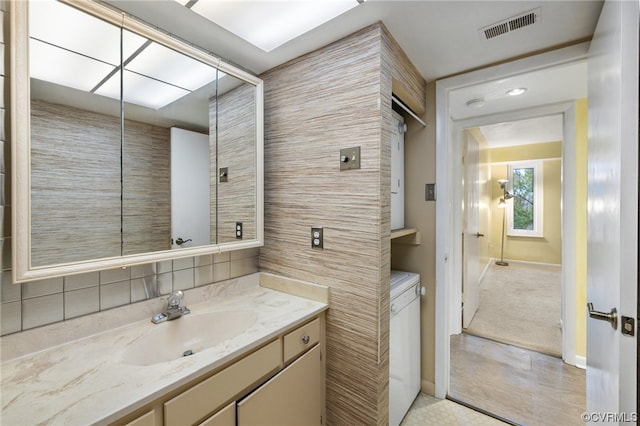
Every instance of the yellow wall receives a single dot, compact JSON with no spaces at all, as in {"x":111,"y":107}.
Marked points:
{"x":545,"y":249}
{"x":581,"y":227}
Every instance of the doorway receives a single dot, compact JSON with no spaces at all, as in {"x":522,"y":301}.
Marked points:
{"x":510,"y":347}
{"x":450,"y":193}
{"x":512,"y":233}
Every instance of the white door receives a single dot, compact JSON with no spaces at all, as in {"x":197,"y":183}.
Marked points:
{"x":190,"y":193}
{"x":613,"y":209}
{"x":470,"y":229}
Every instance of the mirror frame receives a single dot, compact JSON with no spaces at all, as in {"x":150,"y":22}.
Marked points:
{"x":21,"y":149}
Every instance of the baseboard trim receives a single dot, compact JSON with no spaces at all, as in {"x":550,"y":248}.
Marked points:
{"x":493,"y":259}
{"x":486,"y":268}
{"x":428,"y":387}
{"x":581,"y":362}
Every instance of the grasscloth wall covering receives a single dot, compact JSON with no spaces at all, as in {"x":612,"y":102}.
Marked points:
{"x":336,"y":97}
{"x":75,"y":184}
{"x":235,"y":200}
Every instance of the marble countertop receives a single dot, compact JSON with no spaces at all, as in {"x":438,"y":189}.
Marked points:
{"x":86,"y":381}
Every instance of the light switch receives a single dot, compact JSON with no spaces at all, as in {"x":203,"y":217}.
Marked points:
{"x":224,"y":174}
{"x":430,"y":192}
{"x":350,"y":158}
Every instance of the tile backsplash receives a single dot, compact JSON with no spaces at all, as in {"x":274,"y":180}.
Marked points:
{"x":43,"y":302}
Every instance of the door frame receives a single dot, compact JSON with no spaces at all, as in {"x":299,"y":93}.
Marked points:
{"x":449,"y":193}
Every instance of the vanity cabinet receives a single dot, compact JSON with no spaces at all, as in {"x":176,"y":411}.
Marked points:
{"x":292,"y":397}
{"x":280,"y":383}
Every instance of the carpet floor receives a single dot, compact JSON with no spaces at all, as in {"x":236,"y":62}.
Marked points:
{"x":520,"y":305}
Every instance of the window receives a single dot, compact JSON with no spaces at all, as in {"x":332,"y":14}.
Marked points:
{"x":525,"y":209}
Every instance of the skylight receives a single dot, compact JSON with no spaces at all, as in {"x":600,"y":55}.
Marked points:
{"x":270,"y":24}
{"x":74,"y":49}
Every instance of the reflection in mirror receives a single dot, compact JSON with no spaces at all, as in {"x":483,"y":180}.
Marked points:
{"x":236,"y":161}
{"x":119,"y":115}
{"x":166,"y":149}
{"x":78,"y":199}
{"x":75,"y":136}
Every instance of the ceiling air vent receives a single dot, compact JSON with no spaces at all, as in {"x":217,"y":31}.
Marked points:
{"x":511,"y":24}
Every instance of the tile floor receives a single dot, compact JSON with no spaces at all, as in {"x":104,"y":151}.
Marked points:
{"x":428,"y":410}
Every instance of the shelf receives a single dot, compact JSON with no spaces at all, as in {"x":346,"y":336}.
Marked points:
{"x":408,"y":236}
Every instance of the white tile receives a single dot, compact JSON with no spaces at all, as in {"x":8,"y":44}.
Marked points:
{"x":144,"y":288}
{"x":42,"y":288}
{"x":165,"y":266}
{"x":221,"y":271}
{"x":114,"y":275}
{"x":10,"y":317}
{"x":245,"y":266}
{"x":115,"y":294}
{"x":221,"y":257}
{"x":10,"y":292}
{"x":5,"y":254}
{"x":81,"y":302}
{"x":42,"y":310}
{"x":165,"y":283}
{"x":146,"y":270}
{"x":75,"y":282}
{"x":207,"y":259}
{"x":203,"y":275}
{"x":183,"y":279}
{"x":185,"y":263}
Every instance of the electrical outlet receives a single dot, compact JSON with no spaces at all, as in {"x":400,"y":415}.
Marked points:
{"x":239,"y":230}
{"x":316,"y":238}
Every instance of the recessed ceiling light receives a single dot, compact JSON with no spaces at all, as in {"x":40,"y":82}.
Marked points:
{"x":516,"y":92}
{"x":475,"y":103}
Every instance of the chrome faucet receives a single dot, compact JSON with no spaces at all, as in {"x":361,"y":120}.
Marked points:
{"x":174,"y":310}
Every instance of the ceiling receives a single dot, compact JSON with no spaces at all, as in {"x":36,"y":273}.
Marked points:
{"x":441,"y":38}
{"x":523,"y":132}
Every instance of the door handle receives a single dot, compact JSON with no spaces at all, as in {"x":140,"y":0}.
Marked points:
{"x":611,"y":317}
{"x":479,"y":235}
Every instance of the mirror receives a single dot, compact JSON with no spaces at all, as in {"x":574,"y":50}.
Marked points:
{"x":138,"y":148}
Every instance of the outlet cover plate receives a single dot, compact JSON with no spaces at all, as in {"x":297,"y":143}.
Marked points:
{"x":317,"y":240}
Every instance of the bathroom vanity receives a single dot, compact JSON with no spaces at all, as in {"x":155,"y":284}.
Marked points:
{"x":269,"y":370}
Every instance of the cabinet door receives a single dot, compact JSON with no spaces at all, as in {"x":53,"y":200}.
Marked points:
{"x":224,"y":417}
{"x":292,"y":397}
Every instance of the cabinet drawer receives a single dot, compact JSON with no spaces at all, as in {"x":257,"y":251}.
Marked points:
{"x":301,"y":339}
{"x":209,"y":395}
{"x":147,"y":419}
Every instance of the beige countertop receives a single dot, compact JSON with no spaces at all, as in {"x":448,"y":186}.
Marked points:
{"x":85,"y":380}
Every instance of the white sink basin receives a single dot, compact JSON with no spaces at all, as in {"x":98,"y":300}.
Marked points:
{"x":170,"y":340}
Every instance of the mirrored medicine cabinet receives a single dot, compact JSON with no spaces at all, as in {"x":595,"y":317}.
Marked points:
{"x":128,"y":145}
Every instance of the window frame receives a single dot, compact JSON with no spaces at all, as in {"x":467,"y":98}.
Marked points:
{"x":538,"y":197}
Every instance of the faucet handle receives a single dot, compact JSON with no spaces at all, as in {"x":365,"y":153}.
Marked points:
{"x":175,"y":298}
